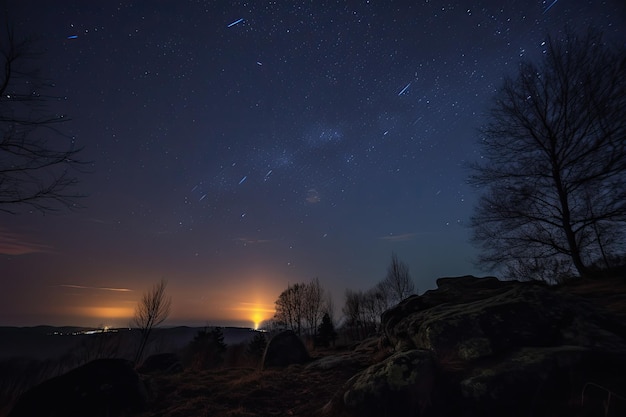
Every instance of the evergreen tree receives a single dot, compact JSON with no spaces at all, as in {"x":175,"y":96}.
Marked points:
{"x":256,"y":347}
{"x":207,"y":349}
{"x":326,"y":333}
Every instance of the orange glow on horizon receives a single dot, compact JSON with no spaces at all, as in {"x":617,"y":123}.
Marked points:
{"x":107,"y":312}
{"x":251,"y":298}
{"x":245,"y":302}
{"x":256,"y":313}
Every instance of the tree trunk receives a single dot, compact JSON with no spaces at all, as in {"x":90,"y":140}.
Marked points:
{"x":574,"y":249}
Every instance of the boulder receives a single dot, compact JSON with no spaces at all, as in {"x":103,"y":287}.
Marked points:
{"x":402,"y":384}
{"x":285,"y":349}
{"x":104,"y":387}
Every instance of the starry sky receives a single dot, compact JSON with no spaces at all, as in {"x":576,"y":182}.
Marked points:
{"x":239,"y":146}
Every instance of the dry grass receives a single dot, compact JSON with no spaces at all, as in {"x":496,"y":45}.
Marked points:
{"x":247,"y":392}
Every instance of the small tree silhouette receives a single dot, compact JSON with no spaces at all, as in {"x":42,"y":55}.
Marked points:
{"x":326,"y":333}
{"x":398,"y":283}
{"x":151,"y":311}
{"x":207,"y":349}
{"x":256,"y":347}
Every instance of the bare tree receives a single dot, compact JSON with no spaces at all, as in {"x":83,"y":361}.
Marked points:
{"x":398,"y":283}
{"x":300,"y":307}
{"x":352,"y":307}
{"x":329,"y":306}
{"x":290,"y":307}
{"x":369,"y":310}
{"x":36,"y":160}
{"x":553,"y":160}
{"x":152,"y":310}
{"x":313,"y":306}
{"x":382,"y":300}
{"x":357,"y":312}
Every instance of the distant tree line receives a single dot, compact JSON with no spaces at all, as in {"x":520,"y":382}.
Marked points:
{"x":362,"y":309}
{"x":307,"y":309}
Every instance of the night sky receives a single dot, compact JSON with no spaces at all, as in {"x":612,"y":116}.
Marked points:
{"x":237,"y":147}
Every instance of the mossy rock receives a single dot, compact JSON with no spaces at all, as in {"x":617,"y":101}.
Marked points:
{"x":402,"y":383}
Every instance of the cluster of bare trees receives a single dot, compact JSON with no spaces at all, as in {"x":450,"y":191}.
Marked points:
{"x":553,"y":166}
{"x":301,"y":307}
{"x":362,"y":309}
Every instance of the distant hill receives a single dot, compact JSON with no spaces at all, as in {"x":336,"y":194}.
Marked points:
{"x":36,"y":342}
{"x":49,"y":342}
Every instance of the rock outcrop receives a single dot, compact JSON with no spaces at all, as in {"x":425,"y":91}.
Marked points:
{"x":481,"y":347}
{"x":104,"y":387}
{"x":285,"y":349}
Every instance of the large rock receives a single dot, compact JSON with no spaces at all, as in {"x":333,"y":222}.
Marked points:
{"x":104,"y":387}
{"x":285,"y":349}
{"x":402,"y":384}
{"x":499,"y":348}
{"x":472,"y":318}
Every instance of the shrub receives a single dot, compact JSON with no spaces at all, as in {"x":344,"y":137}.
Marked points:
{"x":256,"y":347}
{"x":207,"y":349}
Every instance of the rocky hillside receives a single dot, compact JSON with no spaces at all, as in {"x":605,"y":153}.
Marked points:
{"x":472,"y":347}
{"x":481,"y":347}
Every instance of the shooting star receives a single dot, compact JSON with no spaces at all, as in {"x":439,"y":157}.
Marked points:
{"x":406,"y":87}
{"x":84,"y":287}
{"x":72,"y":37}
{"x":245,"y":177}
{"x":203,"y":197}
{"x":549,"y":7}
{"x":236,"y":22}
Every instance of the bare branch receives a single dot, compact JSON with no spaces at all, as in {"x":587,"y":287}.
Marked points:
{"x":37,"y":161}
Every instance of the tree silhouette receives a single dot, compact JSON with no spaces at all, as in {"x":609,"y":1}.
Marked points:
{"x":553,"y":161}
{"x":151,"y":311}
{"x":313,"y":306}
{"x":256,"y":347}
{"x":290,"y":307}
{"x":207,"y":349}
{"x":36,"y":159}
{"x":355,"y":314}
{"x":326,"y":333}
{"x":300,"y":307}
{"x":398,"y":283}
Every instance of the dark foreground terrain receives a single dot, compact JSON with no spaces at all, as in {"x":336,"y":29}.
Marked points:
{"x":298,"y":390}
{"x":473,"y":347}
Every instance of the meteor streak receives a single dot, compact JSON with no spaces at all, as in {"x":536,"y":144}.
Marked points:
{"x":236,"y":22}
{"x":406,"y":87}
